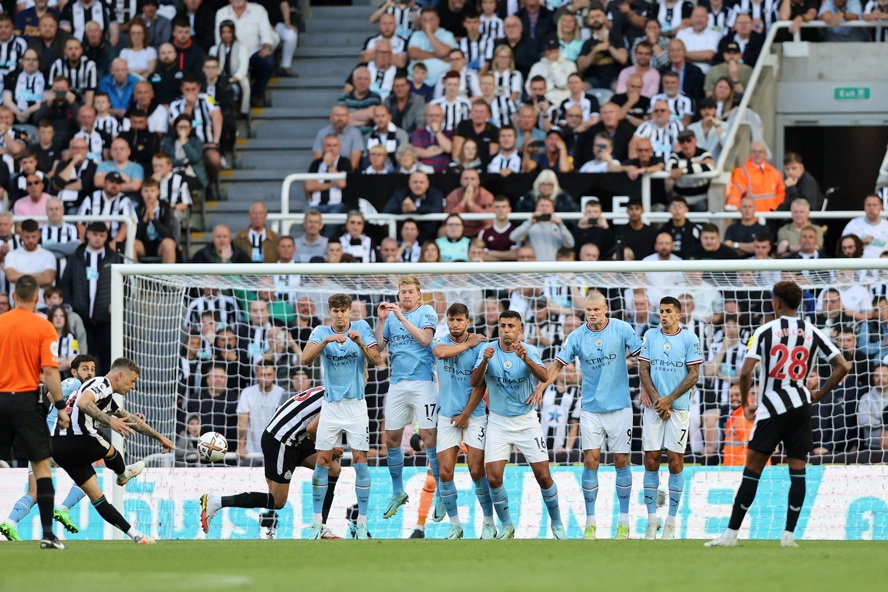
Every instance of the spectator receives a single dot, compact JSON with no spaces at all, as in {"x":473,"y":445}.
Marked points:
{"x":799,"y":182}
{"x":74,"y":177}
{"x":184,"y":151}
{"x":758,"y":180}
{"x":603,"y":54}
{"x":738,"y":429}
{"x":155,"y":234}
{"x":408,"y":247}
{"x":34,"y":204}
{"x":554,"y":158}
{"x":351,"y":142}
{"x":641,"y":58}
{"x":255,"y":408}
{"x":131,"y":172}
{"x":418,"y":199}
{"x":579,"y":97}
{"x":502,"y":107}
{"x":469,"y":85}
{"x":456,"y":107}
{"x":650,"y":33}
{"x":279,"y":16}
{"x":454,"y":245}
{"x":110,"y":201}
{"x":726,"y":100}
{"x":788,"y":235}
{"x":555,"y":69}
{"x":189,"y":55}
{"x":871,"y":411}
{"x":637,"y":235}
{"x":620,"y":131}
{"x":97,"y":48}
{"x":741,"y":234}
{"x":507,"y":160}
{"x":50,"y":44}
{"x":711,"y":246}
{"x":382,"y":71}
{"x":311,"y":244}
{"x":701,"y":42}
{"x":57,"y":236}
{"x":645,"y":162}
{"x":99,"y":142}
{"x":471,"y":198}
{"x":408,"y":163}
{"x":200,"y":15}
{"x":431,"y":44}
{"x":158,"y":28}
{"x":418,"y":86}
{"x":27,"y":20}
{"x":4,"y":302}
{"x":379,"y":161}
{"x":48,"y":148}
{"x":570,"y":41}
{"x":593,"y":228}
{"x":691,"y":77}
{"x":731,"y":68}
{"x":255,"y":33}
{"x":508,"y":80}
{"x":689,"y":160}
{"x":76,"y":14}
{"x":105,"y":122}
{"x":385,"y":133}
{"x":681,"y":107}
{"x":661,"y":130}
{"x":797,"y":11}
{"x":408,"y":110}
{"x":80,"y":71}
{"x":708,"y":128}
{"x":200,"y":107}
{"x":119,"y":85}
{"x":544,"y":231}
{"x":167,"y":76}
{"x":86,"y":284}
{"x":432,"y":142}
{"x":466,"y":158}
{"x":30,"y":259}
{"x":749,"y":40}
{"x":807,"y":248}
{"x":430,"y":252}
{"x":68,"y":346}
{"x":498,"y":246}
{"x":604,"y":160}
{"x":876,"y":10}
{"x":674,"y":15}
{"x":524,"y":53}
{"x":477,"y":128}
{"x":387,"y":32}
{"x":529,"y":134}
{"x":685,"y":234}
{"x":257,"y":241}
{"x":25,"y":88}
{"x":871,"y":227}
{"x":221,"y":249}
{"x":234,"y":63}
{"x":873,"y":334}
{"x":544,"y":113}
{"x":477,"y":48}
{"x":849,"y":247}
{"x":326,"y":196}
{"x":546,"y":186}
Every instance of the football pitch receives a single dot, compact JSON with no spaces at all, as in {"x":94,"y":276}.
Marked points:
{"x":433,"y":565}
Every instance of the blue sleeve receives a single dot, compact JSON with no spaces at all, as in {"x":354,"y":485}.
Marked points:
{"x":386,"y":331}
{"x":480,"y":357}
{"x":316,"y":336}
{"x":645,"y":352}
{"x":568,"y":351}
{"x":429,"y":317}
{"x":633,"y":342}
{"x":533,"y":354}
{"x":367,"y":335}
{"x":693,"y":355}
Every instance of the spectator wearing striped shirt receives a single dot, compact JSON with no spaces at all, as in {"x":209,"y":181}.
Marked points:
{"x":386,"y":133}
{"x":477,"y":48}
{"x":24,"y":88}
{"x":208,"y":119}
{"x":381,"y":69}
{"x":492,"y":26}
{"x":80,"y":71}
{"x":12,"y":47}
{"x":98,"y":142}
{"x":105,"y":122}
{"x":578,"y":96}
{"x":76,"y":14}
{"x":109,"y":201}
{"x":877,"y":10}
{"x":681,"y":106}
{"x":387,"y":32}
{"x":403,"y":14}
{"x":469,"y":86}
{"x":502,"y":107}
{"x":689,"y":160}
{"x":661,"y":130}
{"x":57,"y":236}
{"x":508,"y":159}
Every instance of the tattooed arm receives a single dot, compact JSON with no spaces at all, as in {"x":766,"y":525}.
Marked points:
{"x":86,"y":402}
{"x":138,"y":424}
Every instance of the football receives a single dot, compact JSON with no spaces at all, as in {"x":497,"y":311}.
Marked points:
{"x":212,"y":446}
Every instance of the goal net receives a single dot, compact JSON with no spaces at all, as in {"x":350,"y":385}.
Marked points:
{"x":197,"y":333}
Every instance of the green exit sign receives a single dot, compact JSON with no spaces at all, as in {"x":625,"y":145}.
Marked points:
{"x":852,"y":93}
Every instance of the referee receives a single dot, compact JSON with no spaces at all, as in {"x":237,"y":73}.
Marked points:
{"x":29,"y":348}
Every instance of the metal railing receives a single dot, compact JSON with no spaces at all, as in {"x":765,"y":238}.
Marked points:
{"x":130,"y":245}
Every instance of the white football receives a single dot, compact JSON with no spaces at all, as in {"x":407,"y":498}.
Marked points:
{"x":212,"y":446}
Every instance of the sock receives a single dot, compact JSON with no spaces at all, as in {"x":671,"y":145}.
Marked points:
{"x":745,"y":497}
{"x":362,"y":490}
{"x":328,"y":499}
{"x":501,"y":504}
{"x":396,"y":469}
{"x":74,"y":496}
{"x":482,"y":492}
{"x":676,"y":487}
{"x":426,"y":499}
{"x":590,"y":493}
{"x":796,"y":498}
{"x":448,"y":496}
{"x":115,"y":463}
{"x":134,"y":532}
{"x":651,"y":483}
{"x":45,"y":502}
{"x":432,"y":455}
{"x":624,"y":491}
{"x":252,"y":499}
{"x":550,"y":497}
{"x":110,"y":514}
{"x":318,"y":491}
{"x":21,"y":508}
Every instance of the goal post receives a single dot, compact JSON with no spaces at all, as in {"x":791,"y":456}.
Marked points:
{"x":152,"y":323}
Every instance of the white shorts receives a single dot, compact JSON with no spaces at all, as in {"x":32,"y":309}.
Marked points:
{"x":408,"y":399}
{"x":615,"y":427}
{"x":451,"y":437}
{"x":671,"y":434}
{"x":348,"y":416}
{"x":524,"y":432}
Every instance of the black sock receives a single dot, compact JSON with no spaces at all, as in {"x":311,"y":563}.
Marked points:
{"x":252,"y":499}
{"x":328,"y":501}
{"x":45,"y":502}
{"x":796,"y":497}
{"x":745,"y":497}
{"x":115,"y":463}
{"x":110,"y":514}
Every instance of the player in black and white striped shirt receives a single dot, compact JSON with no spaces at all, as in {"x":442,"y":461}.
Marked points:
{"x":79,"y":71}
{"x":287,"y":443}
{"x":78,"y":446}
{"x":786,"y":347}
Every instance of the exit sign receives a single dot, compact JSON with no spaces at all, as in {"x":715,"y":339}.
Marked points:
{"x":852,"y":93}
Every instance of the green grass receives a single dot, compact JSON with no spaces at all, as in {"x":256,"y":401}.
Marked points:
{"x":429,"y":566}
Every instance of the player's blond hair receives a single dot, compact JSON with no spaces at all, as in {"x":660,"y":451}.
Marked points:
{"x":406,"y":280}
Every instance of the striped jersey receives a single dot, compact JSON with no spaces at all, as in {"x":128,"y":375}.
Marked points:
{"x":77,"y":15}
{"x":765,"y":11}
{"x":502,"y":108}
{"x":200,"y":116}
{"x":453,"y":112}
{"x":785,"y":347}
{"x":662,"y":138}
{"x":59,"y":235}
{"x":508,"y":82}
{"x":680,"y":105}
{"x":290,"y":421}
{"x":881,"y":33}
{"x":108,"y":124}
{"x":225,"y":306}
{"x":399,"y":44}
{"x":11,"y":52}
{"x":82,"y":76}
{"x":81,"y":423}
{"x":588,"y":103}
{"x":174,"y":190}
{"x":477,"y":52}
{"x":492,"y":27}
{"x":100,"y":204}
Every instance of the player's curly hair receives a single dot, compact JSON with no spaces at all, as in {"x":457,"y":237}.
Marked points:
{"x":339,"y":301}
{"x":789,"y":293}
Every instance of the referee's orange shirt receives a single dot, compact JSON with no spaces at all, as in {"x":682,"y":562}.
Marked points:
{"x":28,"y":343}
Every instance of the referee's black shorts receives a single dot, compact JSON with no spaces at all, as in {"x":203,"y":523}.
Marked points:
{"x":793,"y":428}
{"x":76,"y":454}
{"x":23,"y":420}
{"x":280,"y":459}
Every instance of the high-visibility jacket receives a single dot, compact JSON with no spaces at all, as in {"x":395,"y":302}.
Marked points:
{"x":763,"y":183}
{"x":737,"y":432}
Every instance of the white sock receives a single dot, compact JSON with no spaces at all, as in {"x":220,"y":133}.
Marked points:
{"x":730,"y":534}
{"x":489,"y":520}
{"x":652,"y":517}
{"x":362,"y":520}
{"x":64,"y":508}
{"x":134,"y":532}
{"x":623,"y":519}
{"x":670,"y":519}
{"x":317,"y":518}
{"x":215,"y":501}
{"x":420,"y":527}
{"x":454,"y":521}
{"x":590,"y":520}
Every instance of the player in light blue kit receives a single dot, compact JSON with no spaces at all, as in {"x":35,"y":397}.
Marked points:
{"x":345,"y":348}
{"x":509,"y":367}
{"x":457,"y":352}
{"x":407,"y":330}
{"x":669,"y":365}
{"x":601,"y":345}
{"x":83,"y":367}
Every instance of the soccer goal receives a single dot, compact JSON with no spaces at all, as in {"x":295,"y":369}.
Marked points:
{"x":198,"y":331}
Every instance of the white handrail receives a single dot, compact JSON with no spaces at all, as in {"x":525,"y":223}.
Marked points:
{"x":294,"y":177}
{"x":130,"y":245}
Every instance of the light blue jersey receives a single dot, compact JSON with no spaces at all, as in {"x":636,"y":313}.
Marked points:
{"x":454,"y":376}
{"x":69,"y":385}
{"x":602,"y":356}
{"x":410,"y":360}
{"x":343,"y":362}
{"x":669,"y":356}
{"x":509,"y":381}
